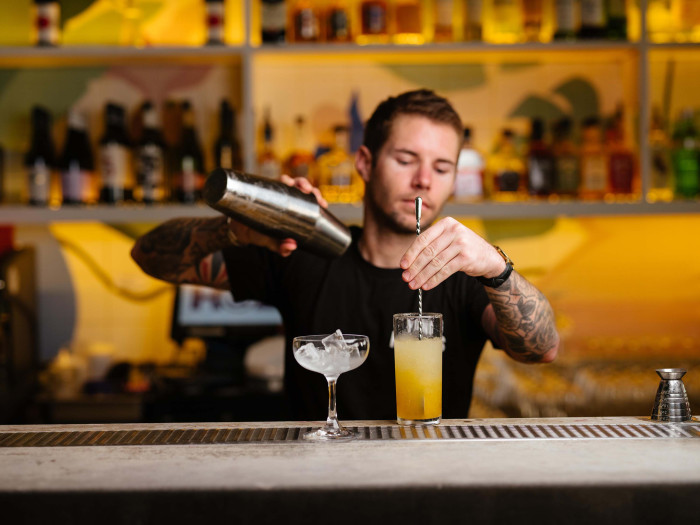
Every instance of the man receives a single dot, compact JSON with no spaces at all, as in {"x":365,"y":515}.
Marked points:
{"x":410,"y":149}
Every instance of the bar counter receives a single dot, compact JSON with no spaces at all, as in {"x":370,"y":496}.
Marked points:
{"x":569,"y":470}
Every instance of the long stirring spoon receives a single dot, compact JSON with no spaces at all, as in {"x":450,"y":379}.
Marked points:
{"x":419,"y":203}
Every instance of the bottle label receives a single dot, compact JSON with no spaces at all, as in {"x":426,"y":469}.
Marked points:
{"x":592,"y":13}
{"x":226,"y":157}
{"x":74,"y":183}
{"x":149,"y":172}
{"x":341,"y":174}
{"x":338,"y":24}
{"x":567,"y":170}
{"x":114,"y":163}
{"x":39,"y":182}
{"x":215,"y":22}
{"x":540,"y":174}
{"x":508,"y":181}
{"x":273,"y":16}
{"x":474,"y":8}
{"x":594,"y":173}
{"x":188,"y":183}
{"x":617,"y":8}
{"x":47,"y":23}
{"x":306,"y":24}
{"x":567,"y":18}
{"x":373,"y":18}
{"x":469,"y":182}
{"x":443,"y":13}
{"x":270,"y":169}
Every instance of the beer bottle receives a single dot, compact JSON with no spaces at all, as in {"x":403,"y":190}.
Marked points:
{"x":150,"y":159}
{"x":39,"y":160}
{"x":115,"y":157}
{"x":77,"y":163}
{"x":189,"y":177}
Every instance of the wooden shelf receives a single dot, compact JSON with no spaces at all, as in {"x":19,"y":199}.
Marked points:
{"x":348,"y":213}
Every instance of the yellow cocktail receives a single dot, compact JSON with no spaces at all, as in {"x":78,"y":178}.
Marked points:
{"x":418,"y":362}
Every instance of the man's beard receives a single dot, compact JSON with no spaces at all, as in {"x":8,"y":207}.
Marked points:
{"x":391,"y":221}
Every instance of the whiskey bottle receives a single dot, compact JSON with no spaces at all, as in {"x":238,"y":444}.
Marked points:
{"x":503,"y":22}
{"x":150,"y":159}
{"x":268,"y":162}
{"x":189,"y":177}
{"x":215,"y":22}
{"x":567,"y":17}
{"x":540,"y":162}
{"x":115,"y":157}
{"x":662,"y":25}
{"x":533,"y":20}
{"x":39,"y":160}
{"x":567,"y":168}
{"x":77,"y":164}
{"x":617,"y":20}
{"x":273,"y":21}
{"x":686,"y":164}
{"x":408,"y":22}
{"x":661,"y":184}
{"x":594,"y":161}
{"x":469,"y":181}
{"x":373,"y":22}
{"x":300,"y":161}
{"x":473,"y":20}
{"x":47,"y":22}
{"x":227,"y":148}
{"x":621,"y":164}
{"x":505,"y":170}
{"x":306,"y":23}
{"x":443,"y":16}
{"x":337,"y":22}
{"x":337,"y":179}
{"x":593,"y":19}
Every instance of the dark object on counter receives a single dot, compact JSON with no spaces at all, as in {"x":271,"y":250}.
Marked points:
{"x":278,"y":210}
{"x":671,"y":402}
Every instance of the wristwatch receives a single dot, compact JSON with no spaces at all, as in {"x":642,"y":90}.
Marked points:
{"x":495,"y":282}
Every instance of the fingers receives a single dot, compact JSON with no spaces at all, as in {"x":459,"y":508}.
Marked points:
{"x":245,"y":235}
{"x":305,"y":185}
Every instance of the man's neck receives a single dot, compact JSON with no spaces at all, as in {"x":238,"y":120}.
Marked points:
{"x":383,"y":248}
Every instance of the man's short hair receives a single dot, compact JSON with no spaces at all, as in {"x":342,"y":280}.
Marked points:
{"x":419,"y":102}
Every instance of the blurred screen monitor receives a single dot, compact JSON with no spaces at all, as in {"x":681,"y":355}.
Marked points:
{"x":206,"y":312}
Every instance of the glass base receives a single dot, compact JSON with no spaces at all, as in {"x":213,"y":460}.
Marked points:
{"x":330,"y":434}
{"x":418,"y":422}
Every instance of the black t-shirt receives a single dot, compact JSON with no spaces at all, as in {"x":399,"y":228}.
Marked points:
{"x":318,"y":296}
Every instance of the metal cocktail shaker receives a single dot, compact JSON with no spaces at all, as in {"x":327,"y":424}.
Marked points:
{"x":671,"y":403}
{"x":275,"y":209}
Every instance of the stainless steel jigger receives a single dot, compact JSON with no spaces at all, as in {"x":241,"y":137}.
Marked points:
{"x":671,"y":402}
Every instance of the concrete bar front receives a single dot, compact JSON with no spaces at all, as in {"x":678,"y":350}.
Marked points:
{"x":571,"y":470}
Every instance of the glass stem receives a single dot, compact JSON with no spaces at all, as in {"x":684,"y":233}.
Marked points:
{"x":332,"y":420}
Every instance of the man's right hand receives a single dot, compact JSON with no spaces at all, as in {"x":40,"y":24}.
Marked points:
{"x":244,"y":235}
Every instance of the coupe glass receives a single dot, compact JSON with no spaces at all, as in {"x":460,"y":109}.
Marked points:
{"x":311,"y":353}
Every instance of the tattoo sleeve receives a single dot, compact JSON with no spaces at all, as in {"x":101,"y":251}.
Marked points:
{"x":524,"y":321}
{"x":185,"y":251}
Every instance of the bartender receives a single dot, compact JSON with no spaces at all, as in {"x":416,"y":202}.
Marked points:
{"x":410,"y":149}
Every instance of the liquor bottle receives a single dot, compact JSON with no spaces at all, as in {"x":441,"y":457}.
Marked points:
{"x":473,"y":20}
{"x":408,"y":22}
{"x":115,"y":157}
{"x":567,"y":17}
{"x":443,"y":16}
{"x":617,"y":20}
{"x":567,"y":166}
{"x":533,"y":20}
{"x":215,"y":22}
{"x":621,"y":164}
{"x":503,"y":21}
{"x":373,"y":22}
{"x":273,"y":21}
{"x":306,"y":23}
{"x":300,"y":161}
{"x":268,"y":162}
{"x":150,"y":159}
{"x":2,"y":174}
{"x":337,"y":22}
{"x":189,"y":177}
{"x":593,"y":19}
{"x":227,"y":149}
{"x":39,"y":160}
{"x":77,"y":164}
{"x":661,"y":184}
{"x":469,"y":182}
{"x":47,"y":21}
{"x":540,"y":162}
{"x":686,"y":164}
{"x":505,"y":170}
{"x":594,"y":161}
{"x":336,"y":176}
{"x":661,"y":21}
{"x":689,"y":17}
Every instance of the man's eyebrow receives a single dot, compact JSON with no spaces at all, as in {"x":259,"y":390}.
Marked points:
{"x":414,"y":154}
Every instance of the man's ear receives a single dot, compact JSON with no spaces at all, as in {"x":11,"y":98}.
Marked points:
{"x":363,"y":162}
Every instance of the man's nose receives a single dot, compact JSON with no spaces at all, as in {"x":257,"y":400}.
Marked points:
{"x":423,"y":177}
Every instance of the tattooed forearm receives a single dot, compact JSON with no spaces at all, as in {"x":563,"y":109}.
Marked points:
{"x":524,"y":321}
{"x":180,"y":251}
